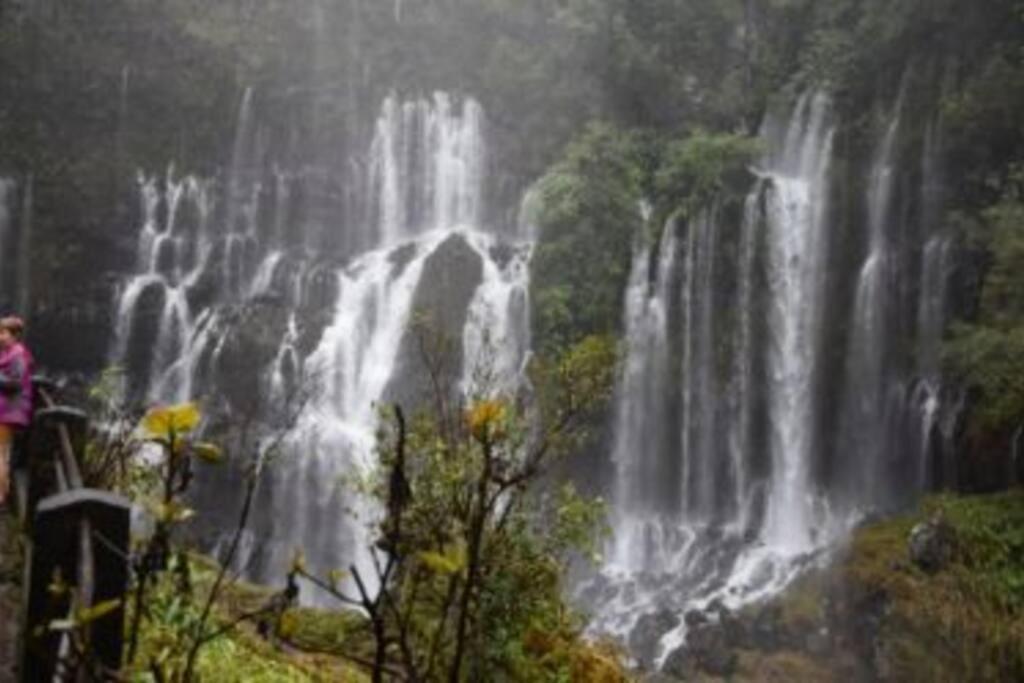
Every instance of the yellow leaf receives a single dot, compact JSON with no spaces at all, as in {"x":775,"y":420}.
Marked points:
{"x":171,"y":513}
{"x":299,"y":562}
{"x":336,"y":576}
{"x":287,"y":625}
{"x":451,"y":561}
{"x":208,"y":452}
{"x":486,"y":420}
{"x":166,"y":421}
{"x":58,"y":586}
{"x":99,"y":611}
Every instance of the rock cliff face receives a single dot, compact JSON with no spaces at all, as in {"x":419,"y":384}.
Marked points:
{"x":933,"y":596}
{"x":10,"y":578}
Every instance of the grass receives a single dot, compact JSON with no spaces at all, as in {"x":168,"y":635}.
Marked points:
{"x":965,"y":622}
{"x":314,"y":652}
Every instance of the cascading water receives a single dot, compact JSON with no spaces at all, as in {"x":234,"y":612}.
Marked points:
{"x":211,"y":260}
{"x":641,"y":433}
{"x":732,"y":507}
{"x":935,"y":261}
{"x":796,"y":208}
{"x":742,"y":303}
{"x":871,"y":397}
{"x":172,"y":257}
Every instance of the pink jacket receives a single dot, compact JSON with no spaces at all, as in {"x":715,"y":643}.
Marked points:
{"x":15,"y":386}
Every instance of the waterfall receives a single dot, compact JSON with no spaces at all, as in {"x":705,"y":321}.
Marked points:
{"x":698,"y":371}
{"x":931,"y":308}
{"x":496,"y":338}
{"x":426,"y":167}
{"x":726,"y":507}
{"x":867,"y":400}
{"x":641,"y":420}
{"x":219,"y":306}
{"x":741,"y":388}
{"x":153,"y":309}
{"x":796,"y":241}
{"x":732,"y":323}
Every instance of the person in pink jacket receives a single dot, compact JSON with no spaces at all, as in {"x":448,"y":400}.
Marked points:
{"x":15,"y":393}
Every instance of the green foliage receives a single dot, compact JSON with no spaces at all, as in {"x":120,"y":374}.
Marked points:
{"x":473,"y":576}
{"x":610,"y":188}
{"x":240,"y":655}
{"x":696,"y":170}
{"x":987,"y":356}
{"x":1002,"y":297}
{"x":590,"y":212}
{"x":985,"y":130}
{"x":990,"y":362}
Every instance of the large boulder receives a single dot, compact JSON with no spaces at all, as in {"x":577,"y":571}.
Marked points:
{"x":931,"y":544}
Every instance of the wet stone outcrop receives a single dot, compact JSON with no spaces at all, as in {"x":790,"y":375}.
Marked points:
{"x":707,"y":649}
{"x":450,"y":277}
{"x":253,"y":336}
{"x":645,"y":638}
{"x":931,"y":544}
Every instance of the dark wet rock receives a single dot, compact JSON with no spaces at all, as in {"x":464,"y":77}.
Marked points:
{"x":401,"y":257}
{"x":253,"y":337}
{"x":680,"y":664}
{"x":502,"y":253}
{"x":818,"y":643}
{"x":708,"y":644}
{"x":765,"y":631}
{"x":142,"y":336}
{"x":694,"y":618}
{"x":931,"y":544}
{"x":659,"y":677}
{"x":706,"y":650}
{"x":645,"y":638}
{"x":733,"y":628}
{"x":450,"y":277}
{"x":598,"y":591}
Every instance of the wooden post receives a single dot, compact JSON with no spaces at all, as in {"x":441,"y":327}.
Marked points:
{"x":71,"y":426}
{"x":57,"y":546}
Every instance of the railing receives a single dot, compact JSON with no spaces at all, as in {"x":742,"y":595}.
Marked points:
{"x":75,"y":535}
